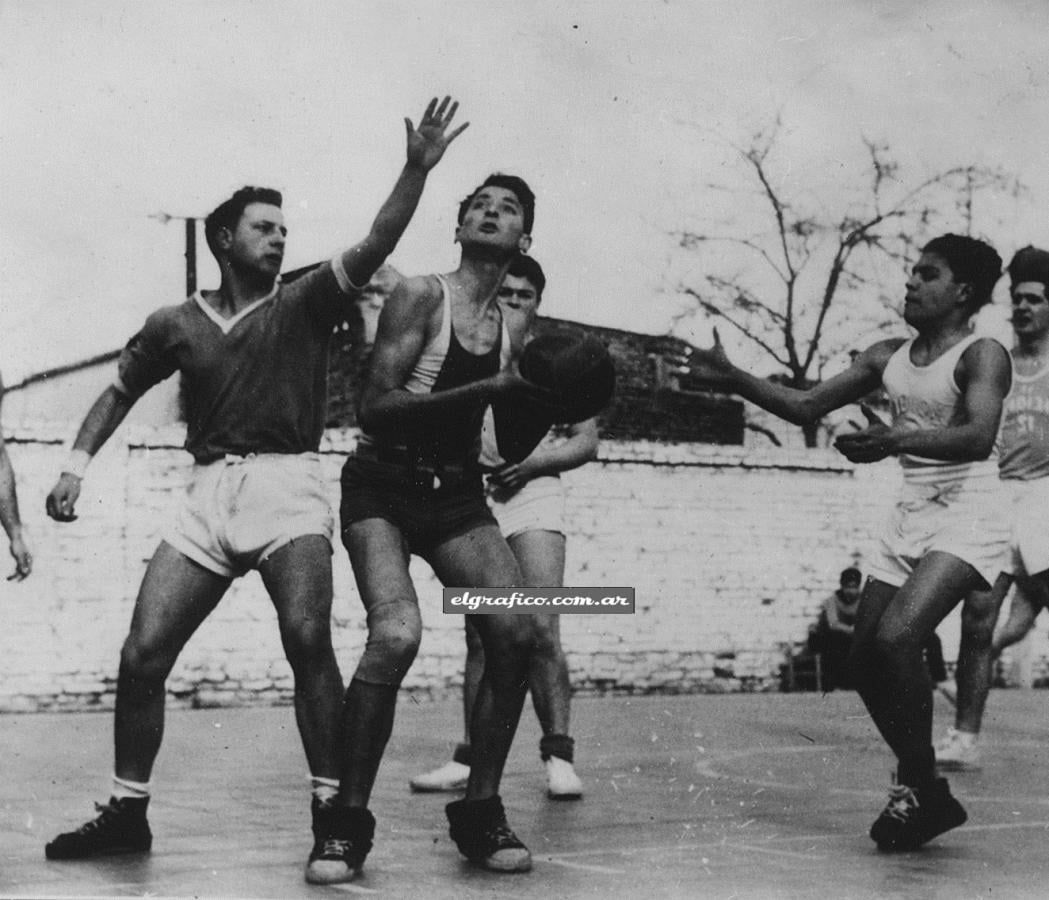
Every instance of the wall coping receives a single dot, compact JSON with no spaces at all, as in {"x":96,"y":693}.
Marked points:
{"x":343,"y":440}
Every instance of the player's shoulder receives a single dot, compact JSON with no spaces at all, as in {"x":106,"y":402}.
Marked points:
{"x":172,"y":316}
{"x":421,"y":293}
{"x":986,"y":350}
{"x":880,"y":352}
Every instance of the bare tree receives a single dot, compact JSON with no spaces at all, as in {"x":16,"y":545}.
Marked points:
{"x":812,"y":281}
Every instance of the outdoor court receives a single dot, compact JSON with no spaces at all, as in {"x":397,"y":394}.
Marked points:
{"x":700,"y":796}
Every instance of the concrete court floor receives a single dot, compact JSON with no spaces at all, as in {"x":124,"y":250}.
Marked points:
{"x":741,"y":796}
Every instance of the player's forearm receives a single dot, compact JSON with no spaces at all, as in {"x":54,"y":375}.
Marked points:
{"x":573,"y":453}
{"x":389,"y":225}
{"x":793,"y":405}
{"x":389,"y":410}
{"x":9,"y":517}
{"x":959,"y":443}
{"x":105,"y":415}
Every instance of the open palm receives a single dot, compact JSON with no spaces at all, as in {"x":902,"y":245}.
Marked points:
{"x":427,"y":143}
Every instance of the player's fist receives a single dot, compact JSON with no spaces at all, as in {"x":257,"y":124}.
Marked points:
{"x":61,"y":502}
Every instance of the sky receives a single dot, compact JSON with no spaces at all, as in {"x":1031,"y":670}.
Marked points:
{"x":619,"y":114}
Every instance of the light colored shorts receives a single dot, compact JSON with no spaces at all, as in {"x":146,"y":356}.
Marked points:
{"x":1029,"y":516}
{"x":967,"y":520}
{"x":538,"y":506}
{"x":240,"y":509}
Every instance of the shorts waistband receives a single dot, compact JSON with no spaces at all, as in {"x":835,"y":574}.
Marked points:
{"x":421,"y":474}
{"x":234,"y":458}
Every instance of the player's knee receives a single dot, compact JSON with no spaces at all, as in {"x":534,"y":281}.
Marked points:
{"x":511,"y":642}
{"x":546,"y":642}
{"x":894,"y":642}
{"x":307,"y":641}
{"x":978,"y":615}
{"x":140,"y":662}
{"x":389,"y":652}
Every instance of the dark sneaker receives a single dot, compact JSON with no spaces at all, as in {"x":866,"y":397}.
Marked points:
{"x":482,"y":835}
{"x":119,"y":827}
{"x":915,"y":816}
{"x":342,"y":838}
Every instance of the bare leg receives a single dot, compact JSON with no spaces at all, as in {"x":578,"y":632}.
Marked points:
{"x":471,"y":674}
{"x":176,"y":595}
{"x":541,"y":555}
{"x":482,"y":558}
{"x":298,"y":578}
{"x":380,"y":565}
{"x":975,"y":654}
{"x":1031,"y":596}
{"x":891,"y":628}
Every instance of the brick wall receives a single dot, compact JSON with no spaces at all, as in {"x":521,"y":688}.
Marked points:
{"x":731,"y":552}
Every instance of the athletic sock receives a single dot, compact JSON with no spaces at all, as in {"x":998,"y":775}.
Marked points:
{"x":559,"y":745}
{"x":919,"y":770}
{"x":325,"y":790}
{"x":123,"y":787}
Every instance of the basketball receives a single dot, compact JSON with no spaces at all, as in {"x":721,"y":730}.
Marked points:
{"x":578,"y":370}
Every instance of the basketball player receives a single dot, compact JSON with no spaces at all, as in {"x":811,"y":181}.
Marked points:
{"x":442,"y":353}
{"x":9,"y":517}
{"x":528,"y":502}
{"x":1024,"y":470}
{"x":254,"y":359}
{"x":947,"y":535}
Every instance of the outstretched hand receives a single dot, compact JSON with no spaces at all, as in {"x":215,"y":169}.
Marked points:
{"x":710,"y":363}
{"x":874,"y":443}
{"x":427,"y":143}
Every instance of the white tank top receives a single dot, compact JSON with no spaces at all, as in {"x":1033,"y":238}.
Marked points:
{"x":927,"y":398}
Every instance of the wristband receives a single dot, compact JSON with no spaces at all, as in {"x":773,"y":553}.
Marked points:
{"x":77,"y":463}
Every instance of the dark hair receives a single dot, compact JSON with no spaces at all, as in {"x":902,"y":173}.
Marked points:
{"x":972,"y":262}
{"x":227,"y":214}
{"x":518,"y":186}
{"x":526,"y":267}
{"x":851,"y":575}
{"x":1029,"y":264}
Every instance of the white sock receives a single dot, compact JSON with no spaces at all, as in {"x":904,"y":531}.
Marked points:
{"x":122,"y":788}
{"x":324,"y":789}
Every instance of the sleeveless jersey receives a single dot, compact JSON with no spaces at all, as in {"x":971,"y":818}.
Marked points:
{"x":927,"y":398}
{"x":444,"y":364}
{"x":1025,"y":428}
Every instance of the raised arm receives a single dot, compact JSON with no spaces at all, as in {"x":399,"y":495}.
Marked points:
{"x":106,"y":413}
{"x":984,"y":374}
{"x":799,"y":407}
{"x":426,"y":146}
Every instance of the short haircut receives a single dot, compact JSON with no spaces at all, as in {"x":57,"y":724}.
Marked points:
{"x":227,"y":214}
{"x":851,"y":575}
{"x":526,"y":267}
{"x":1029,"y":264}
{"x":971,"y":261}
{"x":518,"y":186}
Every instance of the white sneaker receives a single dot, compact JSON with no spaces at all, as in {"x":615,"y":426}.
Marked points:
{"x":958,"y":751}
{"x":562,"y":783}
{"x":452,"y":776}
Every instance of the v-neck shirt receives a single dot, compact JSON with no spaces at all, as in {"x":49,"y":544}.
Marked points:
{"x":255,"y":382}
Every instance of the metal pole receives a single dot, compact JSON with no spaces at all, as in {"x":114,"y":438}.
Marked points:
{"x":191,"y":256}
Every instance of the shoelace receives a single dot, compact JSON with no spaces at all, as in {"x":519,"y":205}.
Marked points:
{"x":901,"y":802}
{"x":502,"y":837}
{"x":105,"y":812}
{"x":336,"y":847}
